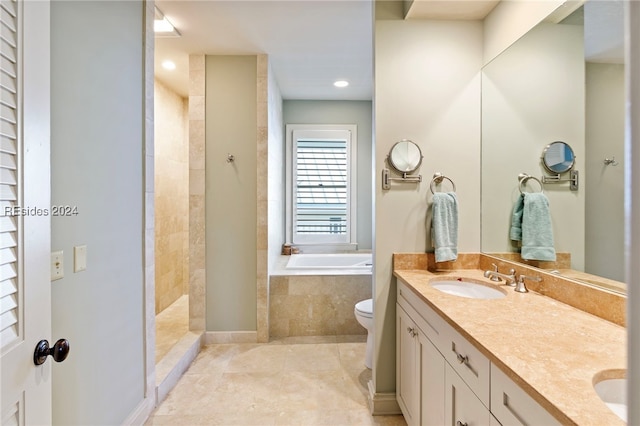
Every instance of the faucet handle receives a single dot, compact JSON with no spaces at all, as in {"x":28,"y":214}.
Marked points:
{"x":521,"y":287}
{"x":495,"y":278}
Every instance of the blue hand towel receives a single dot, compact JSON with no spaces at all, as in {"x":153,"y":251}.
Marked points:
{"x":444,"y":226}
{"x":535,"y":226}
{"x":515,"y":232}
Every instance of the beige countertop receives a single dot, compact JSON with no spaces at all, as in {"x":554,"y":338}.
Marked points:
{"x":552,"y":350}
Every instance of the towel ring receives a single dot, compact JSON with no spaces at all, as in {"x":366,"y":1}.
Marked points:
{"x":437,"y":178}
{"x":523,"y":178}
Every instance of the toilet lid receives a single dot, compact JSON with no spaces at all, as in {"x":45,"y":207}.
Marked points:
{"x":365,"y":307}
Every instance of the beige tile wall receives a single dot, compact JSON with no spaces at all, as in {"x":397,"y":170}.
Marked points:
{"x":197,"y":247}
{"x":320,"y":305}
{"x":262,"y":280}
{"x":171,"y":196}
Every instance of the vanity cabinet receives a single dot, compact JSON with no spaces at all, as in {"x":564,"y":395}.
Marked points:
{"x":441,"y":378}
{"x":420,"y":374}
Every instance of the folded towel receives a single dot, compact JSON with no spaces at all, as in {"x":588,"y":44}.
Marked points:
{"x":444,"y":226}
{"x":532,"y":218}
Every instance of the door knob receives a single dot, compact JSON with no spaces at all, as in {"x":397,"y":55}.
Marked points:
{"x":59,"y":351}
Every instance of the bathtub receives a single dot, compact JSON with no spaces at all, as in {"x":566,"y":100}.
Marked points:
{"x":315,"y":294}
{"x":344,"y":261}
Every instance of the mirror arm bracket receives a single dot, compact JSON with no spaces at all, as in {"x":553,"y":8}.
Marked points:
{"x":573,"y":179}
{"x":387,"y":179}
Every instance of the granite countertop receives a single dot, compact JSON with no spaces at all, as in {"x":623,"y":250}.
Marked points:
{"x":550,"y":349}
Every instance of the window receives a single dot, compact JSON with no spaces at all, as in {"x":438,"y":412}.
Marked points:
{"x":321,"y":184}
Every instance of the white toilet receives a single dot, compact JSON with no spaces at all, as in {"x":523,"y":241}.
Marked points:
{"x":364,"y":315}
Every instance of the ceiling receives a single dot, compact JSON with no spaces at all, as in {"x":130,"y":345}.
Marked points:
{"x":310,"y":43}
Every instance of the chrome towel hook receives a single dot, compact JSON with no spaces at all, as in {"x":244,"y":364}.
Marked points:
{"x":610,"y":161}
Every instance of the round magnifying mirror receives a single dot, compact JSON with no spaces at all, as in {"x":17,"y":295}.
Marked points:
{"x":558,"y":157}
{"x":405,"y":156}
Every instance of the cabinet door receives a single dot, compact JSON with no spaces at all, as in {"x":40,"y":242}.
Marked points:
{"x":431,"y":383}
{"x":407,"y":383}
{"x":462,"y":406}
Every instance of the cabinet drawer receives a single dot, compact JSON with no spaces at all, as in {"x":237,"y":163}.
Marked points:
{"x":425,"y":318}
{"x":511,"y":405}
{"x":462,"y":406}
{"x":468,"y":362}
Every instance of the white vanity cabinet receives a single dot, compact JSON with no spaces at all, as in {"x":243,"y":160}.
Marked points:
{"x":441,"y":378}
{"x":428,"y":389}
{"x":420,"y":374}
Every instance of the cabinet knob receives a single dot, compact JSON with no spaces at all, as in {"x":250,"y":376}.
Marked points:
{"x":459,"y":423}
{"x":412,"y":331}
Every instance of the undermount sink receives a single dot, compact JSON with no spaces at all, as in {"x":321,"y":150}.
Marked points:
{"x":468,"y":289}
{"x":613,"y":392}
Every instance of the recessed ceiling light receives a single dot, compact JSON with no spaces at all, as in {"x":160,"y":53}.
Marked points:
{"x":341,"y":83}
{"x":169,"y":65}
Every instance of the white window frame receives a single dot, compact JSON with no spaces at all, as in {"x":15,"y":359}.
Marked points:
{"x":346,"y":132}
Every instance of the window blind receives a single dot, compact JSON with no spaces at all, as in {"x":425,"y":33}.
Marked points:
{"x":321,"y":187}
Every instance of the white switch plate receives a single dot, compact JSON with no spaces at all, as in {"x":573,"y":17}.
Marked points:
{"x":79,"y":258}
{"x":57,"y":265}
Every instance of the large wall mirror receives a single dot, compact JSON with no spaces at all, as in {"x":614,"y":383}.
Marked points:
{"x":562,"y":81}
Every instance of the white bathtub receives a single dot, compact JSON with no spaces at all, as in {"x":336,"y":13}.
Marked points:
{"x":327,"y":264}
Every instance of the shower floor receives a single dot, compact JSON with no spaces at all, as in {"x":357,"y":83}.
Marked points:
{"x":171,"y":325}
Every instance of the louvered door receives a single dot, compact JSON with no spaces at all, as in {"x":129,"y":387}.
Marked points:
{"x":25,"y":295}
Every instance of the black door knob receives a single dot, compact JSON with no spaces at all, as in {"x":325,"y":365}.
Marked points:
{"x":59,"y":351}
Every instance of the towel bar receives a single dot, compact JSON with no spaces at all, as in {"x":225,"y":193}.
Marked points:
{"x":437,"y":179}
{"x":523,"y":178}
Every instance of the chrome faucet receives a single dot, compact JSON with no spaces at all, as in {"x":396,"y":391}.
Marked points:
{"x":509,"y":280}
{"x":521,"y":287}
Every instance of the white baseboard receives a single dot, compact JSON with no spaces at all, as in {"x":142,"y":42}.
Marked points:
{"x":141,"y":413}
{"x":382,"y":404}
{"x":212,"y":337}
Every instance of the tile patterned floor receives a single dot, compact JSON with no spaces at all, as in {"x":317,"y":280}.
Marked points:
{"x":171,"y":325}
{"x":292,"y":381}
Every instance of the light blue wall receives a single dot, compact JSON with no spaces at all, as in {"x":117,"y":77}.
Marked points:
{"x":97,"y":165}
{"x":344,"y":112}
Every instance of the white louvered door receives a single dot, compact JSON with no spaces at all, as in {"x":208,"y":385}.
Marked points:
{"x":25,"y":235}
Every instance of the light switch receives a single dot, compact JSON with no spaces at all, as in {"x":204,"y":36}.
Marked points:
{"x":57,"y":265}
{"x":79,"y":258}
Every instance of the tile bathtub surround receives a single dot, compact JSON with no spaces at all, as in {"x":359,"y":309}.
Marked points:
{"x":316,"y":305}
{"x":294,"y":381}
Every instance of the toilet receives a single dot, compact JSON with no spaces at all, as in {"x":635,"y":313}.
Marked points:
{"x":364,"y":315}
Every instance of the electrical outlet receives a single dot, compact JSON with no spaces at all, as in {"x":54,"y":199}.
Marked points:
{"x":57,"y":265}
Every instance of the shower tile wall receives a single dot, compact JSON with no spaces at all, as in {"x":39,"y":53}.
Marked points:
{"x":319,"y":305}
{"x":171,"y":196}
